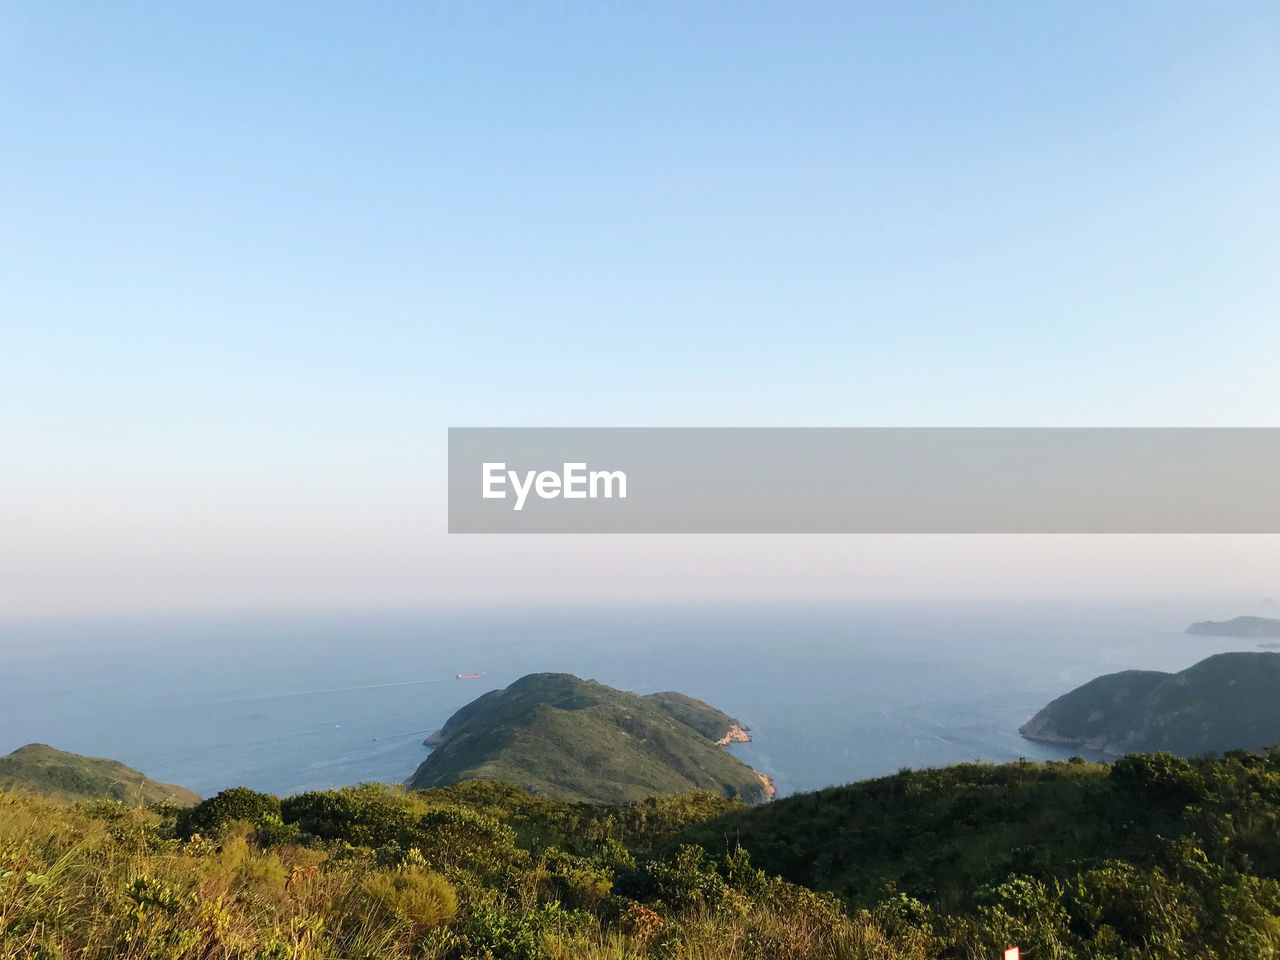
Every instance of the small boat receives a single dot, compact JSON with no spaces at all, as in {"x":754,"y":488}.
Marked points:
{"x":468,"y":676}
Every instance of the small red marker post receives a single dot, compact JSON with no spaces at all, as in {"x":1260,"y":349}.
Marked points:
{"x":1013,"y":953}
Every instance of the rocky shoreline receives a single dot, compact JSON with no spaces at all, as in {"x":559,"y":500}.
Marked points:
{"x":436,"y":738}
{"x":738,"y":734}
{"x":770,"y":791}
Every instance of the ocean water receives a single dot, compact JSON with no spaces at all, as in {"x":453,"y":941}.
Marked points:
{"x":831,"y":693}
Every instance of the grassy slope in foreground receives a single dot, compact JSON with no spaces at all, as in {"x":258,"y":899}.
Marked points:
{"x":42,"y":769}
{"x":1152,"y":858}
{"x":557,"y":735}
{"x":1230,"y":701}
{"x":949,"y":836}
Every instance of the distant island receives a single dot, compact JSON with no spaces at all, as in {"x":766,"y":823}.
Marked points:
{"x":1230,"y":701}
{"x":559,"y":736}
{"x":42,"y":769}
{"x":1239,"y":627}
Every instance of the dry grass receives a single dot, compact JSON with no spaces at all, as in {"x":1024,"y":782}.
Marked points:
{"x":107,"y":882}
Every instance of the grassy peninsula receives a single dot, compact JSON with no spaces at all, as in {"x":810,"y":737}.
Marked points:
{"x":559,"y":736}
{"x":1225,"y":702}
{"x":42,"y":769}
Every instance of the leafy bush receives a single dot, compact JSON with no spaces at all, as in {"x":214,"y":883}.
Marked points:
{"x":491,"y":935}
{"x":456,"y":836}
{"x":687,"y":881}
{"x":420,"y":898}
{"x":1159,"y":778}
{"x":368,"y":815}
{"x":575,"y":881}
{"x":236,"y":804}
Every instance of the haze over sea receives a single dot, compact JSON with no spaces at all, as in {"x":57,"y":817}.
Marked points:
{"x":831,"y":694}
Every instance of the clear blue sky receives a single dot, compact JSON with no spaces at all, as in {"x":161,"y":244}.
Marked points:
{"x":255,"y":258}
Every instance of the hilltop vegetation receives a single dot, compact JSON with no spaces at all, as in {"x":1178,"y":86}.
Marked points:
{"x":946,"y":835}
{"x":42,"y":769}
{"x":556,"y":735}
{"x":701,"y":716}
{"x":1228,"y":701}
{"x":1152,"y":858}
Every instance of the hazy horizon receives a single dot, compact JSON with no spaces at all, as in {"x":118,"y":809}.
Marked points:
{"x":515,"y":572}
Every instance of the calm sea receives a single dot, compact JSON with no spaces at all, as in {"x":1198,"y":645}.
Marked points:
{"x":831,"y":694}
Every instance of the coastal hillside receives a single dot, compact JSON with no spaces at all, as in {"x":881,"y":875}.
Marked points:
{"x":1230,"y":701}
{"x":557,"y":735}
{"x":948,"y":836}
{"x":1151,"y":858}
{"x":42,"y":769}
{"x":1256,"y":627}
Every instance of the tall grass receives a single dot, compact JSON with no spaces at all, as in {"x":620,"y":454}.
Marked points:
{"x":111,"y":882}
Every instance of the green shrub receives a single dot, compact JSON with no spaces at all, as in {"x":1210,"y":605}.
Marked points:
{"x":1029,"y":914}
{"x":368,"y":815}
{"x":576,"y":882}
{"x":456,"y":836}
{"x":1159,"y":778}
{"x":687,"y":881}
{"x":493,"y":935}
{"x":236,"y":804}
{"x":420,"y":898}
